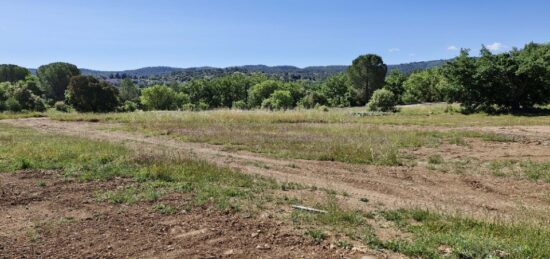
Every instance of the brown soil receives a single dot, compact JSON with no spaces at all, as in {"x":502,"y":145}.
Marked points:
{"x":60,"y":218}
{"x":391,"y":187}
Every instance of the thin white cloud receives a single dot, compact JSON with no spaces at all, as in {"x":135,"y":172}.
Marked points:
{"x":452,"y":48}
{"x":497,"y":46}
{"x":412,"y":54}
{"x":394,"y":50}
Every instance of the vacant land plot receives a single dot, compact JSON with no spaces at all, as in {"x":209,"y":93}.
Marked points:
{"x":422,"y":183}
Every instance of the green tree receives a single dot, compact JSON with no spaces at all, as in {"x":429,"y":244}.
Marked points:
{"x":87,"y":94}
{"x":27,"y":99}
{"x":128,"y":90}
{"x":259,"y":92}
{"x":279,"y":99}
{"x":12,"y":73}
{"x":510,"y":81}
{"x":338,"y":91}
{"x":367,"y":74}
{"x":382,"y":100}
{"x":159,"y":97}
{"x":394,"y":83}
{"x":20,"y":96}
{"x":424,"y":86}
{"x":55,"y":77}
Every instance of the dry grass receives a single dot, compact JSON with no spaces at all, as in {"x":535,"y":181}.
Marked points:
{"x":338,"y":135}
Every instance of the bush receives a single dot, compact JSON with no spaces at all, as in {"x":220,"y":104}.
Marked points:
{"x":188,"y":107}
{"x":13,"y":105}
{"x":382,"y":100}
{"x":159,"y":97}
{"x":128,"y":106}
{"x":264,"y":90}
{"x":338,"y":91}
{"x":61,"y":106}
{"x":425,"y":86}
{"x":241,"y":105}
{"x":280,"y":99}
{"x":312,"y":99}
{"x":202,"y":106}
{"x":26,"y":99}
{"x":322,"y":108}
{"x":260,"y":92}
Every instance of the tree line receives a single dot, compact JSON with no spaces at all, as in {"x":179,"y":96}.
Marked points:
{"x":513,"y":81}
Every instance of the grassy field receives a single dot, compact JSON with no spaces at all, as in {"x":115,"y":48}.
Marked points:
{"x":339,"y":135}
{"x":429,"y":234}
{"x":422,"y":115}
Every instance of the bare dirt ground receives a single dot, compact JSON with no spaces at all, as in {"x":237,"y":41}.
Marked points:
{"x":61,"y":219}
{"x":391,"y":187}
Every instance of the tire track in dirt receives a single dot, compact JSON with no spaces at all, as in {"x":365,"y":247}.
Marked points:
{"x":390,"y":187}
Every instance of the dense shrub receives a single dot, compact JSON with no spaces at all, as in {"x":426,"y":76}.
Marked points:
{"x":221,"y":91}
{"x":425,"y":86}
{"x":87,"y":94}
{"x":240,"y":104}
{"x":128,"y":91}
{"x":382,"y":100}
{"x":394,"y":83}
{"x":27,"y":100}
{"x":160,"y":97}
{"x":338,"y":91}
{"x":312,"y":99}
{"x":262,"y":91}
{"x":280,"y":99}
{"x":61,"y":106}
{"x":128,"y":106}
{"x":22,"y":96}
{"x":13,"y":105}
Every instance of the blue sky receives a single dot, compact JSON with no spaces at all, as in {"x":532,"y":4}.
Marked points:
{"x":127,"y":34}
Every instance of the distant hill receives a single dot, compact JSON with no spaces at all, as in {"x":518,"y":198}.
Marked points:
{"x":408,"y":68}
{"x":163,"y":73}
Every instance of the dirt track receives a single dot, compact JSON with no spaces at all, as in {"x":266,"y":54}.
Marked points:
{"x":390,"y":187}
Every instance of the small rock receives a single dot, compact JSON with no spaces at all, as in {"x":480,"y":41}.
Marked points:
{"x":254,"y":235}
{"x":263,"y":247}
{"x":360,"y":249}
{"x":229,"y":252}
{"x":445,"y":250}
{"x":365,"y":200}
{"x":501,"y":253}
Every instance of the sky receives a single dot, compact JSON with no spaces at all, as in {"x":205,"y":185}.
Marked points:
{"x":129,"y":34}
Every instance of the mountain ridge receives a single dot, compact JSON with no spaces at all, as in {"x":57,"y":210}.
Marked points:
{"x":325,"y":70}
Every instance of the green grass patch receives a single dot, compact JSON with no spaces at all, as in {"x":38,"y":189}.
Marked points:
{"x":532,"y":170}
{"x":164,"y":209}
{"x":20,"y":115}
{"x":299,"y":134}
{"x":155,"y":176}
{"x":22,"y":148}
{"x":435,"y":159}
{"x":466,"y":237}
{"x":352,"y":223}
